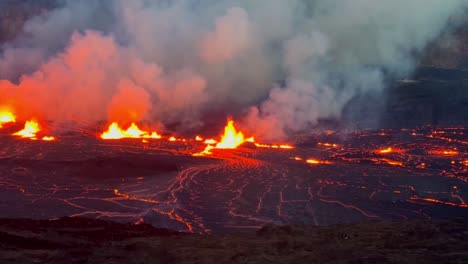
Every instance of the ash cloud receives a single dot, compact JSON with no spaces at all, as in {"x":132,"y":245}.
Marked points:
{"x":163,"y":61}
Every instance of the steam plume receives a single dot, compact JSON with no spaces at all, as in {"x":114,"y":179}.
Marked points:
{"x":173,"y":60}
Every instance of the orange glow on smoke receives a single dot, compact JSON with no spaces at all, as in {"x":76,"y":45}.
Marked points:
{"x":29,"y":131}
{"x":114,"y":131}
{"x":6,"y":117}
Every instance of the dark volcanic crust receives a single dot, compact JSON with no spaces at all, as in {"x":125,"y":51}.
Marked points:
{"x":101,"y":167}
{"x":80,"y":240}
{"x":160,"y":183}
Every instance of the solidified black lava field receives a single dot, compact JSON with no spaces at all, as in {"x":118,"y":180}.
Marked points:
{"x":328,"y":178}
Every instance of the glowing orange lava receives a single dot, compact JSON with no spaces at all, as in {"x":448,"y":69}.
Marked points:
{"x":450,"y":152}
{"x":6,"y":117}
{"x":393,"y":163}
{"x":210,"y":142}
{"x":328,"y":144}
{"x":389,"y":150}
{"x":231,"y":139}
{"x":48,"y":138}
{"x":316,"y":161}
{"x":446,"y":152}
{"x":115,"y":132}
{"x":275,"y":146}
{"x":30,"y":130}
{"x":153,"y":135}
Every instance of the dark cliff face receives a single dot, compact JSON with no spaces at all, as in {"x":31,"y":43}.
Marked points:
{"x":436,"y":93}
{"x":79,"y":240}
{"x":450,"y":50}
{"x":430,"y":96}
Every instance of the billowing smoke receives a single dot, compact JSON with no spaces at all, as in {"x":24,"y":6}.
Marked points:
{"x":283,"y":65}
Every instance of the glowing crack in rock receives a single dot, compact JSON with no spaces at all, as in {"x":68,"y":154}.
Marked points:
{"x":317,"y":162}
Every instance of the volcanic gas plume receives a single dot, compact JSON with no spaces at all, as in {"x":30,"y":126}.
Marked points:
{"x":277,"y":66}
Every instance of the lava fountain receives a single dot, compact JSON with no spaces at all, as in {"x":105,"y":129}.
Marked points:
{"x":231,"y":139}
{"x":114,"y":131}
{"x":31,"y":128}
{"x":6,"y":117}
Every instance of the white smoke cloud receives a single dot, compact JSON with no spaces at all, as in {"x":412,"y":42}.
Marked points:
{"x":172,"y":60}
{"x":230,"y":37}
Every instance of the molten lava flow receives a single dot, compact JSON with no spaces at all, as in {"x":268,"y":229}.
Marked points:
{"x":115,"y":132}
{"x":315,"y":161}
{"x":153,"y":135}
{"x":48,"y":138}
{"x":134,"y":132}
{"x":444,"y":152}
{"x":250,"y":139}
{"x":6,"y":117}
{"x":387,"y":150}
{"x":210,"y":142}
{"x":29,"y":131}
{"x":328,"y":144}
{"x":450,"y":152}
{"x":274,"y":146}
{"x":231,"y":138}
